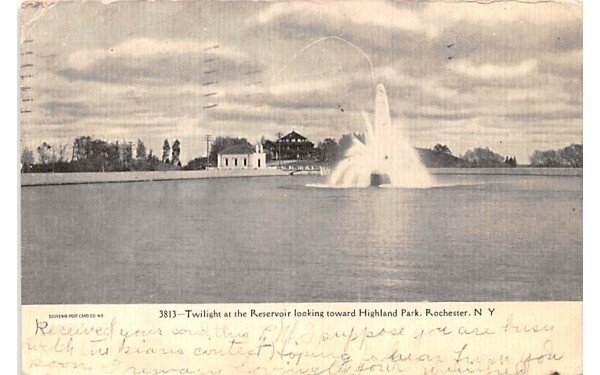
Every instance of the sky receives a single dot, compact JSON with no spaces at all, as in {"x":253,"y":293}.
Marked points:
{"x":505,"y":75}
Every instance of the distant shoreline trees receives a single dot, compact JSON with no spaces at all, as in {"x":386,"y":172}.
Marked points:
{"x":166,"y":150}
{"x":176,"y":150}
{"x":442,"y":149}
{"x":570,"y":156}
{"x":95,"y":155}
{"x":92,"y":155}
{"x":483,"y":157}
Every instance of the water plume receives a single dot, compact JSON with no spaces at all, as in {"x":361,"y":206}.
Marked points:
{"x":384,"y":158}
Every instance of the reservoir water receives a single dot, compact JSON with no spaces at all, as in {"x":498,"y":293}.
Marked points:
{"x":473,"y":237}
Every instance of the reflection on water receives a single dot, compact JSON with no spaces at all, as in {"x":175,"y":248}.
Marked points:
{"x":473,"y":238}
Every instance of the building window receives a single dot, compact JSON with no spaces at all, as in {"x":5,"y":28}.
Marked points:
{"x":259,"y":163}
{"x":235,"y":162}
{"x":226,"y":162}
{"x":245,"y":162}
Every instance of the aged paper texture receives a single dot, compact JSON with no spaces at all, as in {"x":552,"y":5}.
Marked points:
{"x":229,"y":187}
{"x":429,"y":339}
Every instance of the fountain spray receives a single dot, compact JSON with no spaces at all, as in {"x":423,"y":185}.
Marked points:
{"x":385,"y":158}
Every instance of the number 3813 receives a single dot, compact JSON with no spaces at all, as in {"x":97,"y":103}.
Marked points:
{"x":167,"y":314}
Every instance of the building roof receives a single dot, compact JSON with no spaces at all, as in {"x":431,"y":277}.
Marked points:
{"x":242,"y":149}
{"x":294,"y":135}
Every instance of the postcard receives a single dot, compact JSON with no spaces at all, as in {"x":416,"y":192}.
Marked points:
{"x":229,"y":187}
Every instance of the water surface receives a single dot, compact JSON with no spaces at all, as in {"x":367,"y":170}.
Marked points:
{"x":275,"y":239}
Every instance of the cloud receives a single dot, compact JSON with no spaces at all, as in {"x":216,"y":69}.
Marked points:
{"x":565,"y":64}
{"x":494,"y":70}
{"x":465,"y":72}
{"x":430,"y":20}
{"x":143,"y":48}
{"x":378,"y":13}
{"x":446,"y":13}
{"x":300,"y":87}
{"x":150,"y":61}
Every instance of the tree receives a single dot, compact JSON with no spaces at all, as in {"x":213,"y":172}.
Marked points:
{"x":483,"y":157}
{"x":570,"y":156}
{"x":152,"y":162}
{"x":196,"y":164}
{"x":176,"y":152}
{"x":127,"y":156}
{"x":81,"y":148}
{"x":279,"y":135}
{"x":442,"y":148}
{"x":43,"y":152}
{"x":166,"y":151}
{"x":63,"y":155}
{"x":548,"y":158}
{"x":27,"y":159}
{"x":327,"y":150}
{"x":573,"y":155}
{"x":96,"y":155}
{"x":270,"y":148}
{"x":99,"y":156}
{"x":221,"y":143}
{"x":511,"y":161}
{"x":53,"y":158}
{"x":140,"y":150}
{"x":114,"y":159}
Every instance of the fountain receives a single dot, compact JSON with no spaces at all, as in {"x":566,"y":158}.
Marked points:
{"x":385,"y":158}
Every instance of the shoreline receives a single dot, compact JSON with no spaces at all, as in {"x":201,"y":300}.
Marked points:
{"x":508,"y":171}
{"x":78,"y":178}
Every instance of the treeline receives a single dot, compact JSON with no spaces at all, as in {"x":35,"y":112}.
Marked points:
{"x":570,"y":156}
{"x":95,"y":155}
{"x":486,"y":158}
{"x":441,"y":156}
